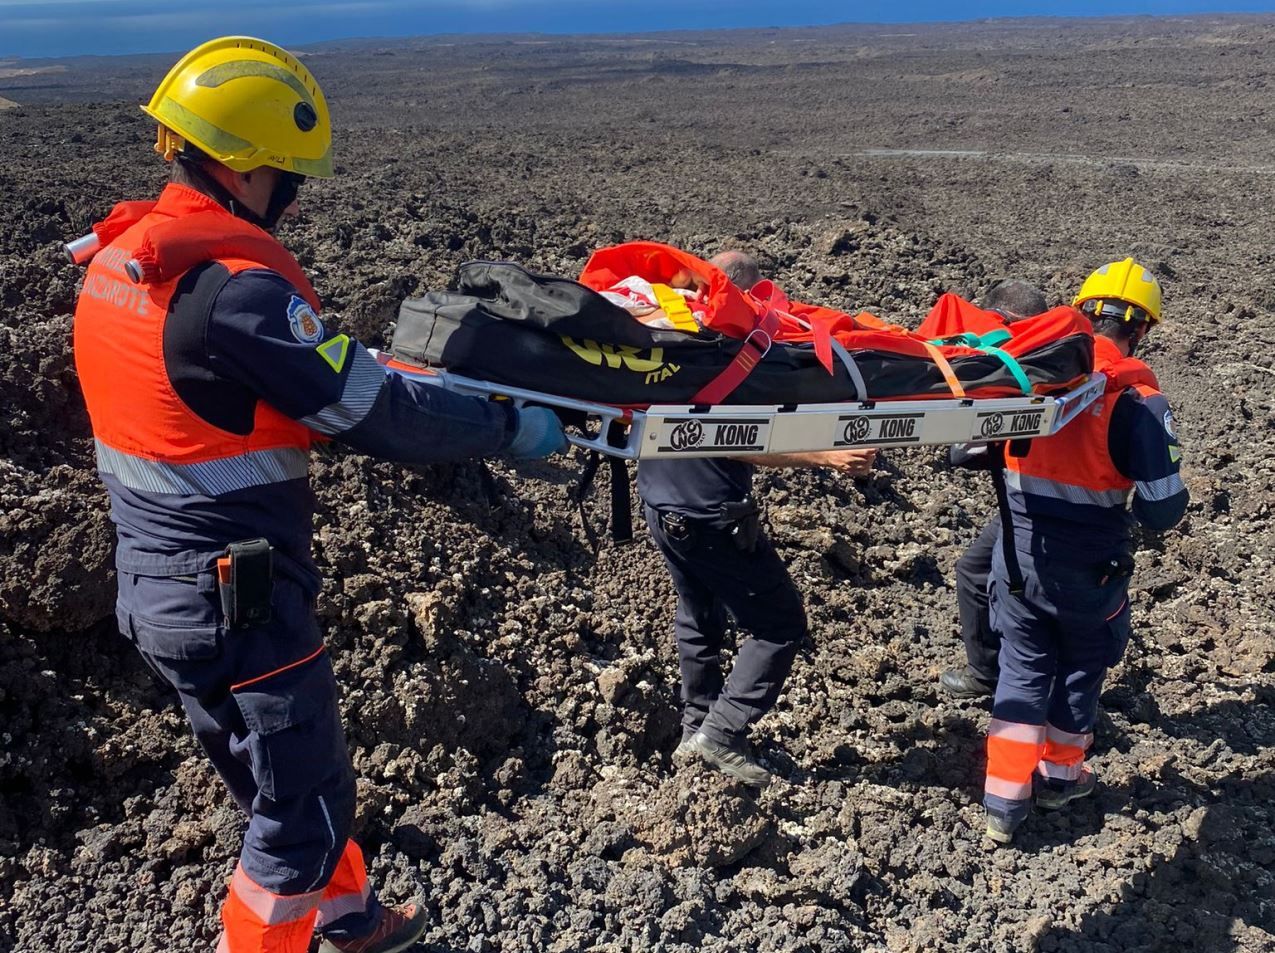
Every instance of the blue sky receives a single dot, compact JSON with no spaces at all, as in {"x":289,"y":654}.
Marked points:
{"x":70,"y":27}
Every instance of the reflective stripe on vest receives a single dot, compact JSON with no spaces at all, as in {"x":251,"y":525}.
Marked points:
{"x":1040,"y":486}
{"x":209,"y":478}
{"x":147,"y":438}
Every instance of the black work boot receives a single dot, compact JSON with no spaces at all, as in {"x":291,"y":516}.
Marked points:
{"x":683,"y":750}
{"x":735,"y":760}
{"x":962,"y":683}
{"x":1000,"y":828}
{"x":396,"y":930}
{"x":1053,"y":795}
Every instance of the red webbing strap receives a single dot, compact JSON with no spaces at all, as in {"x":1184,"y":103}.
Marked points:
{"x":749,"y":355}
{"x":770,"y":296}
{"x":821,"y":331}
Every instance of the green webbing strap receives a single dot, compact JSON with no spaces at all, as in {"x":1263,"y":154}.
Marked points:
{"x":990,"y":339}
{"x":987,"y":344}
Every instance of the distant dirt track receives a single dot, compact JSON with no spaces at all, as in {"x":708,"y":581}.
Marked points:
{"x":1053,"y":158}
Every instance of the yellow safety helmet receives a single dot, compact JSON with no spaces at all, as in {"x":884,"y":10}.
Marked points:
{"x":246,"y":103}
{"x":1121,"y":289}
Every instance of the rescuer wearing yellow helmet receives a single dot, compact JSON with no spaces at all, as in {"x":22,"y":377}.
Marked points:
{"x":1123,"y":294}
{"x":256,"y":113}
{"x":207,"y":386}
{"x":1059,"y":579}
{"x":1123,"y":299}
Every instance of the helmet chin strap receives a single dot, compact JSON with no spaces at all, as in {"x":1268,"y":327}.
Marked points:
{"x":1134,"y":338}
{"x":284,"y":194}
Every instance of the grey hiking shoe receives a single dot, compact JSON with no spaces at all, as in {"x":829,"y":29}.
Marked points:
{"x":1001,"y":829}
{"x":396,"y":930}
{"x":683,"y":751}
{"x":735,"y":761}
{"x":962,"y":683}
{"x":1052,"y":795}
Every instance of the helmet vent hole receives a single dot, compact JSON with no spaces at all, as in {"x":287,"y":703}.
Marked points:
{"x":305,"y":117}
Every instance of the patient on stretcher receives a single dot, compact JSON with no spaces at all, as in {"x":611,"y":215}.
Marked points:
{"x":669,"y":307}
{"x":681,"y":304}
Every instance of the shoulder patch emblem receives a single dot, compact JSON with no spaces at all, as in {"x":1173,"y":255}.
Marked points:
{"x":305,"y":324}
{"x":1168,"y":424}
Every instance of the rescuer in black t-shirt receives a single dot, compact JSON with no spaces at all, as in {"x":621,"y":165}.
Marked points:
{"x":705,"y":521}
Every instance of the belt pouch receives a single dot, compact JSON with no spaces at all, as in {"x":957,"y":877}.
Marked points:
{"x":245,"y":575}
{"x":743,"y":521}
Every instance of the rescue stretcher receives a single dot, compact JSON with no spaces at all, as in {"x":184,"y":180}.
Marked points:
{"x":663,"y":431}
{"x":653,"y":353}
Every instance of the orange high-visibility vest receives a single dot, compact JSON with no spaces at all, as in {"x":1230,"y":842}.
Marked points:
{"x":1075,"y":465}
{"x":147,"y":438}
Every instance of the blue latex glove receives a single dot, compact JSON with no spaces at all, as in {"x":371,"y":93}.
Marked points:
{"x":539,"y":434}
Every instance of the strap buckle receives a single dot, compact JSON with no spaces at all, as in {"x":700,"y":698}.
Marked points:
{"x":769,"y":341}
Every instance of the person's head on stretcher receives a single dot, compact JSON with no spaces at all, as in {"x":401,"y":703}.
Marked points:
{"x":740,"y":267}
{"x":1014,"y":299}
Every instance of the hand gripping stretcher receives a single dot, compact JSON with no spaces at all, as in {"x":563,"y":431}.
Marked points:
{"x":663,"y":431}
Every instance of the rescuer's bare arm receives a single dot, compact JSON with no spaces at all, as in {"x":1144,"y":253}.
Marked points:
{"x":854,"y":462}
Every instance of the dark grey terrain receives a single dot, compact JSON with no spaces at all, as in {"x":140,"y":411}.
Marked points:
{"x":509,"y":686}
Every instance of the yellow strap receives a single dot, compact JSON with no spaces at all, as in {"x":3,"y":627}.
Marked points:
{"x":948,"y":374}
{"x":675,"y":308}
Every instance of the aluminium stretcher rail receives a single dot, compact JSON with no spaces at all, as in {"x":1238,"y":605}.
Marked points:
{"x":682,"y":430}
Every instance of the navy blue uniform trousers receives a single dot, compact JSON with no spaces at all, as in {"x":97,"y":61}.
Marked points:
{"x":714,"y":577}
{"x":1058,"y":638}
{"x":262,"y":702}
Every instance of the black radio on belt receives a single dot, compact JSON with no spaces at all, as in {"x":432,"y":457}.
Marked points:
{"x":245,"y":580}
{"x":742,"y":519}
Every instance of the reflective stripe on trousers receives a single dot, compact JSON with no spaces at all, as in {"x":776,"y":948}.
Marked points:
{"x":348,"y":891}
{"x":1064,"y":757}
{"x":1013,"y":751}
{"x":254,"y":920}
{"x":1016,"y":751}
